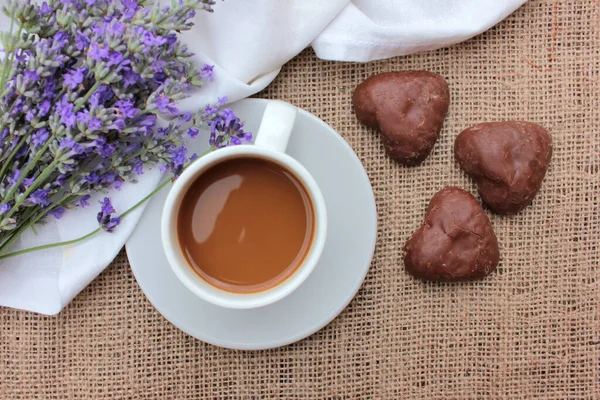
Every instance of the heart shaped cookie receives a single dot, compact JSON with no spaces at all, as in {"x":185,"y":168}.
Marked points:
{"x":408,"y":109}
{"x":456,"y":241}
{"x":508,"y":160}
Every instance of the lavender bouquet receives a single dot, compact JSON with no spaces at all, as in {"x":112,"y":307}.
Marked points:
{"x":83,"y":83}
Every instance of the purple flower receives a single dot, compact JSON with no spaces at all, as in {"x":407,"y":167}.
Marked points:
{"x":149,"y":39}
{"x":4,"y":208}
{"x":108,"y":177}
{"x":92,"y":178}
{"x":40,"y":197}
{"x":112,"y":224}
{"x":31,"y":76}
{"x":157,"y":65}
{"x":149,"y":121}
{"x":130,"y":4}
{"x":98,"y":53}
{"x":18,"y":106}
{"x":172,"y":110}
{"x":83,"y":116}
{"x":210,"y":110}
{"x":70,"y":144}
{"x":13,"y":179}
{"x":161,"y":132}
{"x":126,"y":108}
{"x":185,"y":117}
{"x":119,"y":124}
{"x":61,"y":179}
{"x":207,"y":72}
{"x":192,"y":132}
{"x":193,"y":157}
{"x":229,"y":116}
{"x":115,"y":58}
{"x":99,"y":28}
{"x":101,"y":96}
{"x":28,"y":182}
{"x":44,"y":108}
{"x":30,"y":115}
{"x":106,"y":206}
{"x":21,"y":57}
{"x":130,"y":78}
{"x":178,"y":156}
{"x":94,"y":124}
{"x":57,"y":212}
{"x":190,"y":14}
{"x":106,"y":150}
{"x":75,"y":77}
{"x":50,"y":89}
{"x":105,"y":218}
{"x":81,"y":41}
{"x":138,"y":168}
{"x":222,"y":100}
{"x":171,"y":41}
{"x":65,"y":110}
{"x":45,"y":9}
{"x":83,"y":201}
{"x":159,"y":78}
{"x":116,"y":28}
{"x":21,"y":152}
{"x":162,"y":102}
{"x":118,"y":183}
{"x":61,"y":38}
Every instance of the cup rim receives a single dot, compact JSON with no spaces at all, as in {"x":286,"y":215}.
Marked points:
{"x":201,"y":287}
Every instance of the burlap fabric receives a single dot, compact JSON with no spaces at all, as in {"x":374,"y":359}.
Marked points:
{"x":530,"y":330}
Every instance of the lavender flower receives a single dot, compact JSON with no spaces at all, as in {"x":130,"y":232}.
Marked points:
{"x":57,"y":212}
{"x":82,"y":90}
{"x":105,"y":216}
{"x":75,"y":77}
{"x":83,"y":201}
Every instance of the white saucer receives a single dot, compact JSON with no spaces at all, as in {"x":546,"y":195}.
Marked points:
{"x":351,"y":237}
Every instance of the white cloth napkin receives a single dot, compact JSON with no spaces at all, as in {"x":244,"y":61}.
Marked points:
{"x":247,"y":42}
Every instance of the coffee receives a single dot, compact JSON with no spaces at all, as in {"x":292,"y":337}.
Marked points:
{"x":245,"y":224}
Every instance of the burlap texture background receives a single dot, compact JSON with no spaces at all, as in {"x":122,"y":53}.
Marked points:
{"x":530,"y":330}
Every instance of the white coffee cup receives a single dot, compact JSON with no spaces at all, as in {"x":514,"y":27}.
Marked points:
{"x":270,"y":144}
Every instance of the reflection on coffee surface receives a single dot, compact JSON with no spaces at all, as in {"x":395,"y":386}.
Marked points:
{"x":246,"y":224}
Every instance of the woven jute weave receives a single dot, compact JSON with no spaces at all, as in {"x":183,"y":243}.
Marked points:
{"x":530,"y":330}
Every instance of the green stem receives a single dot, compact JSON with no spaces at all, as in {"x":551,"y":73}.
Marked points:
{"x":87,"y":96}
{"x":40,"y":179}
{"x":6,"y":163}
{"x":5,"y":71}
{"x":46,"y":172}
{"x":51,"y":245}
{"x":5,"y":245}
{"x":25,"y":223}
{"x":77,"y":240}
{"x":12,"y":59}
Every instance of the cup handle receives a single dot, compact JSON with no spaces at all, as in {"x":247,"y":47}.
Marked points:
{"x":276,"y":125}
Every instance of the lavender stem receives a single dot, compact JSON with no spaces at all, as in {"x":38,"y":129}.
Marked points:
{"x":5,"y":245}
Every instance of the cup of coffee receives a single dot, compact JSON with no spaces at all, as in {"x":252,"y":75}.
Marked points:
{"x":244,"y":226}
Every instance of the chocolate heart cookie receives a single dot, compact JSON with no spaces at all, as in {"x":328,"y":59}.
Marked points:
{"x":408,"y":108}
{"x":456,"y":241}
{"x":508,"y":160}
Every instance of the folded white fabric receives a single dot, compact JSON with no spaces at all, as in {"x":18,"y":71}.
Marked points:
{"x":247,"y":42}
